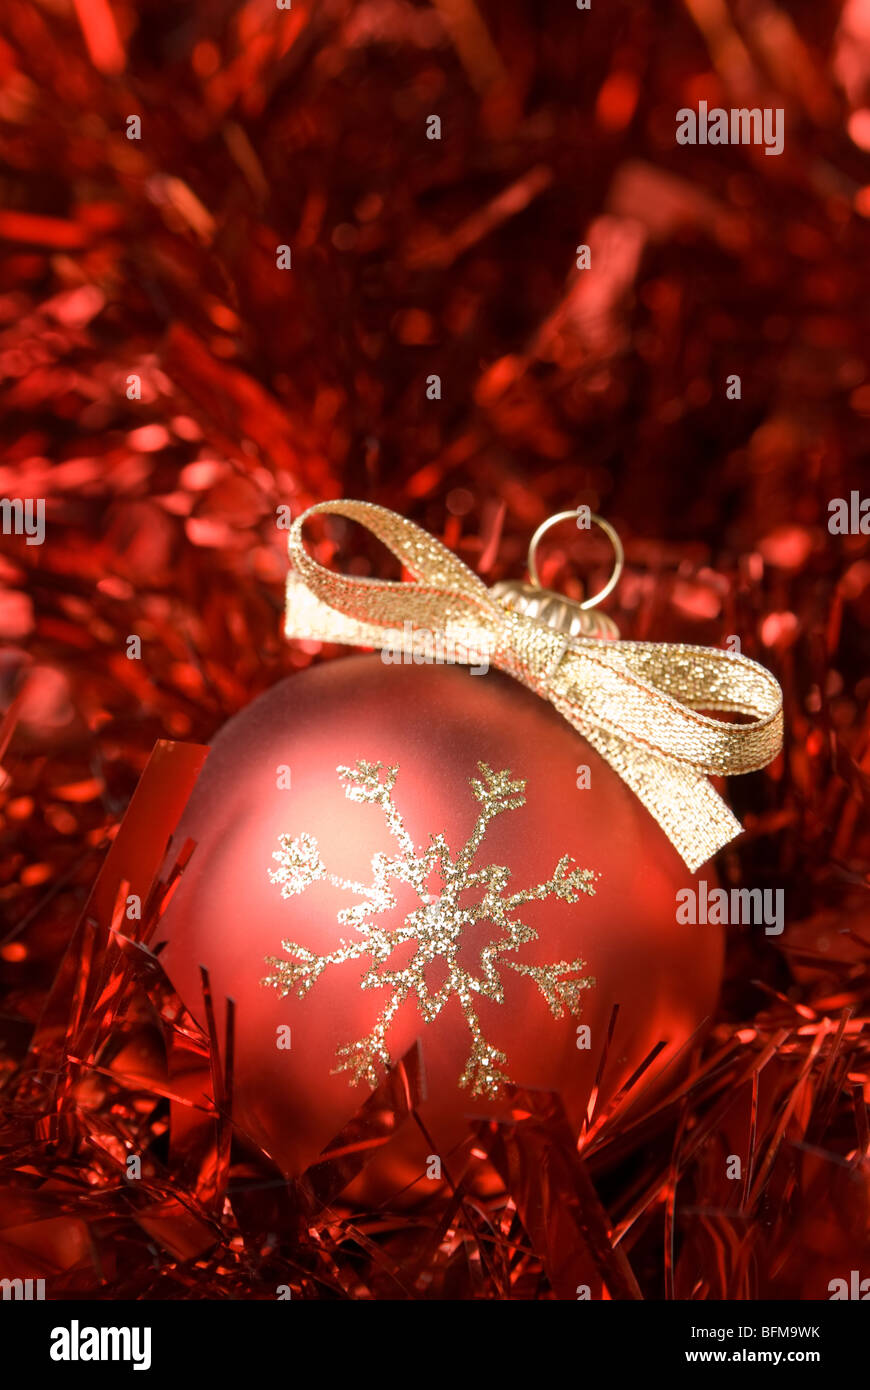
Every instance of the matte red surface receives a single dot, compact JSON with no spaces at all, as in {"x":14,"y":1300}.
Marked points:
{"x":435,"y":723}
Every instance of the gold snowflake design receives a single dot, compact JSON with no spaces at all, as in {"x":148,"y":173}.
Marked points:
{"x":436,"y":926}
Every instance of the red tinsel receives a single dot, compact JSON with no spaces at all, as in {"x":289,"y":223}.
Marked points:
{"x":155,"y":258}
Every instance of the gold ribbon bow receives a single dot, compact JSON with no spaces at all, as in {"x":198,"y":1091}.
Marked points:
{"x":636,"y":703}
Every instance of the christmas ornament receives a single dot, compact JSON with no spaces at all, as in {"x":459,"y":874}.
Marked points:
{"x":397,"y":856}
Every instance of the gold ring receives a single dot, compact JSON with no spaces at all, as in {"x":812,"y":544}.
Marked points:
{"x":618,"y":552}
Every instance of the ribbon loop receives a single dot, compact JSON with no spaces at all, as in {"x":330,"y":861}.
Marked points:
{"x":444,"y":589}
{"x":637,"y":703}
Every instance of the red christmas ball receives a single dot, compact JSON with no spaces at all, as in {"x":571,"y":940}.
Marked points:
{"x":392,"y":853}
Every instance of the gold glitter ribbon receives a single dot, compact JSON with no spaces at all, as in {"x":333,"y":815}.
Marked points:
{"x":637,"y":703}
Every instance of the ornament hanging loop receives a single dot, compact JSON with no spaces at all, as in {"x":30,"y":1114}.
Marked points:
{"x":572,"y":617}
{"x":610,"y":533}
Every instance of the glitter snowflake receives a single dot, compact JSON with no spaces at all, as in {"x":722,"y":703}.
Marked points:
{"x":436,"y":926}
